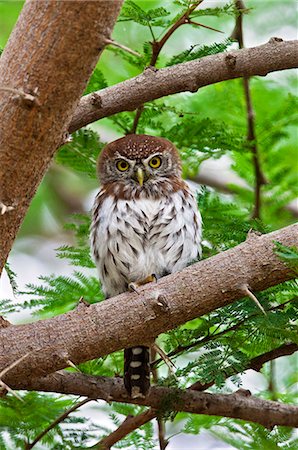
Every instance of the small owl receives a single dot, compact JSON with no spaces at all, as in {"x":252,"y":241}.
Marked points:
{"x":145,"y":221}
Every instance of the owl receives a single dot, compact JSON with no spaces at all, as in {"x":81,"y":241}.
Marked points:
{"x":145,"y":225}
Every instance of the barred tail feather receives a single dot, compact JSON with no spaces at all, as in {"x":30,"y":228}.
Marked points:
{"x":137,"y":371}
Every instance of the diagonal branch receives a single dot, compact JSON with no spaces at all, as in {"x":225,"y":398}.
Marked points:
{"x":114,"y":324}
{"x":190,"y":76}
{"x":59,"y":419}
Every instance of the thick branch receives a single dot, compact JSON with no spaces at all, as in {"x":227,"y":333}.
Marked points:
{"x":84,"y":385}
{"x":245,"y":407}
{"x":190,"y":76}
{"x":130,"y":319}
{"x":43,"y":72}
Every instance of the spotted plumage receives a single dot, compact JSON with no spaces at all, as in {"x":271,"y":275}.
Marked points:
{"x":145,"y":221}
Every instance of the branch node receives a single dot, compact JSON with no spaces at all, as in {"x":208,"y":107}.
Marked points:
{"x":66,"y":138}
{"x":160,"y":304}
{"x":150,"y":69}
{"x":252,"y":235}
{"x":231,"y":61}
{"x":96,"y":100}
{"x":243,"y":392}
{"x":274,"y":40}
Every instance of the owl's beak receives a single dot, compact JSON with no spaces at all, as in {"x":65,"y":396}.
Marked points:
{"x":140,"y":176}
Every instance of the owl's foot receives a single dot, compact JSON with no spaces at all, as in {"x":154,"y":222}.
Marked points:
{"x":134,"y":286}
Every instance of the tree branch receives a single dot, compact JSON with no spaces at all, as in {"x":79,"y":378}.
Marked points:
{"x":266,"y":413}
{"x":189,"y":76}
{"x":43,"y":72}
{"x":85,"y":385}
{"x":89,"y":332}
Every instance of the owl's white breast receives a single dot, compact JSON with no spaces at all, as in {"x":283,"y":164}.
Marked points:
{"x":136,"y":238}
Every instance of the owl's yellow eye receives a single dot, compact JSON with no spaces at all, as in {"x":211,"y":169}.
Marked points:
{"x":155,"y":162}
{"x":122,"y":165}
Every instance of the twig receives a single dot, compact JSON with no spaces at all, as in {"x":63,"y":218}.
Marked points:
{"x":163,"y":442}
{"x":260,"y":179}
{"x":130,"y":424}
{"x":7,"y":369}
{"x":27,"y":98}
{"x":59,"y":419}
{"x":123,"y":47}
{"x":192,"y":22}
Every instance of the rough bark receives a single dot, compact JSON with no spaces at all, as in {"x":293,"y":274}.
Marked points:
{"x":240,"y":405}
{"x":131,"y":319}
{"x":190,"y":76}
{"x":43,"y":71}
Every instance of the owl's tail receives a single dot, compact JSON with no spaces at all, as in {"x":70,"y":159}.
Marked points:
{"x":137,"y":371}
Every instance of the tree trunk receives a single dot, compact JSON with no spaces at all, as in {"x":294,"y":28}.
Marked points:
{"x":43,"y":71}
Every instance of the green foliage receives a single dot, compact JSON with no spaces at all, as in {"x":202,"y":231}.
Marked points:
{"x":199,"y":51}
{"x":82,"y":152}
{"x":288,"y":254}
{"x":205,"y":126}
{"x":22,"y":420}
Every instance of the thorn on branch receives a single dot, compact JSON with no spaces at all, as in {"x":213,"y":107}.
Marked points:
{"x":245,"y":289}
{"x":191,"y":22}
{"x":82,"y":304}
{"x":71,"y":364}
{"x":4,"y":209}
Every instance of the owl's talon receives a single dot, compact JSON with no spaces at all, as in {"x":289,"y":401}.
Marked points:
{"x":134,"y":286}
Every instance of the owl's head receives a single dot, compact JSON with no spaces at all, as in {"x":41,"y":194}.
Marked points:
{"x":139,"y":159}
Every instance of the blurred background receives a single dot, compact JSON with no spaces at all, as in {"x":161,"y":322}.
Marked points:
{"x":68,"y":190}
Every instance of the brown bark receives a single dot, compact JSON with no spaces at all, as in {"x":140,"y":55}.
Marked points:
{"x":43,"y":72}
{"x":84,"y":385}
{"x":131,"y":319}
{"x":236,"y":405}
{"x":190,"y":76}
